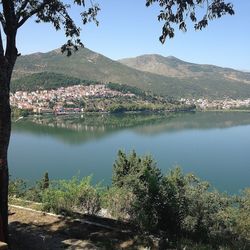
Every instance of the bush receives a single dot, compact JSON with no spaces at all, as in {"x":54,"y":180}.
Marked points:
{"x":141,"y":178}
{"x":177,"y":204}
{"x":208,"y":213}
{"x":118,"y":201}
{"x":22,"y":189}
{"x":174,"y":202}
{"x":17,"y":188}
{"x":88,"y":199}
{"x":54,"y":201}
{"x":191,"y":208}
{"x":72,"y":196}
{"x":242,"y":225}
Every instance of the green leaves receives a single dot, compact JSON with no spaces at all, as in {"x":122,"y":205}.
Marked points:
{"x":90,"y":14}
{"x":179,"y":204}
{"x":177,"y":13}
{"x":141,"y":178}
{"x":57,"y":13}
{"x":71,"y":46}
{"x":72,"y":195}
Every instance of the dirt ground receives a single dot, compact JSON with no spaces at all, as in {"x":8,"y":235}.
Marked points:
{"x":32,"y":230}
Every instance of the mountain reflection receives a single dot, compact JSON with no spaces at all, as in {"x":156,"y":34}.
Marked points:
{"x":87,"y":127}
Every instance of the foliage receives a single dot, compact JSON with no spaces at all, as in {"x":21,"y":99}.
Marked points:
{"x":46,"y":81}
{"x":136,"y":107}
{"x":179,"y":204}
{"x":208,"y":215}
{"x":177,"y":12}
{"x":179,"y":208}
{"x":45,"y":181}
{"x":141,"y":177}
{"x":124,"y":88}
{"x":174,"y":203}
{"x":242,"y":226}
{"x":156,"y":105}
{"x":17,"y":188}
{"x":88,"y":198}
{"x":118,"y":202}
{"x":43,"y":80}
{"x":73,"y":195}
{"x":16,"y":112}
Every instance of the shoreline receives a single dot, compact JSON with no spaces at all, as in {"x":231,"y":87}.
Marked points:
{"x":17,"y":118}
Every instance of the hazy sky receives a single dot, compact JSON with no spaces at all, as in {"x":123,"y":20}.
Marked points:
{"x":128,"y":29}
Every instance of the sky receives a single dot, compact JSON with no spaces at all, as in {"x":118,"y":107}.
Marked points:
{"x":129,"y":29}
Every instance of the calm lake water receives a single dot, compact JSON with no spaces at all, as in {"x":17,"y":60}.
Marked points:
{"x":214,"y":146}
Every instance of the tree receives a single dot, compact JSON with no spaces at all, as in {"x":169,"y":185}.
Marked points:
{"x":45,"y":181}
{"x":141,"y":178}
{"x":15,"y":13}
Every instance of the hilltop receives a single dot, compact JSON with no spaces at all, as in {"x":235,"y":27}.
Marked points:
{"x":173,"y":67}
{"x":166,"y":76}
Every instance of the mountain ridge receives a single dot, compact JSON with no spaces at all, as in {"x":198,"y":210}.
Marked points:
{"x":170,"y":61}
{"x":181,"y":60}
{"x":182,"y":79}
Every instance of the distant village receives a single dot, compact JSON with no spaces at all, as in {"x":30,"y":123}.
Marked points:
{"x":61,"y":100}
{"x":224,"y":104}
{"x":66,"y":100}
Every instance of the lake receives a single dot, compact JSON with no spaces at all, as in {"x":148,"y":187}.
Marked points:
{"x":213,"y":145}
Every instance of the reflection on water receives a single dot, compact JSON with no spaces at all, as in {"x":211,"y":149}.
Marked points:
{"x":213,"y":145}
{"x":78,"y":129}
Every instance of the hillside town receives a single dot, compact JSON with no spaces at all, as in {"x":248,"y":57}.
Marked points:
{"x":61,"y":100}
{"x":71,"y":99}
{"x":223,"y":104}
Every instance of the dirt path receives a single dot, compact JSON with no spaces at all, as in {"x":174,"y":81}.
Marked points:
{"x":30,"y":230}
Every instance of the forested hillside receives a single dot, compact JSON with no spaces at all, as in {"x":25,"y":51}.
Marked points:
{"x":192,"y":80}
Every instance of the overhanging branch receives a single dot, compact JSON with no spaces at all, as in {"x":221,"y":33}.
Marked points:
{"x":1,"y":44}
{"x":33,"y":12}
{"x":2,"y":21}
{"x":21,"y":9}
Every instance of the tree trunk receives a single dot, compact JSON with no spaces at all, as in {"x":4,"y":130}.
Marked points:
{"x":5,"y":128}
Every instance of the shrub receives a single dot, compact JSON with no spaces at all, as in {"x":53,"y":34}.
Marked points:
{"x":174,"y":202}
{"x":141,"y":178}
{"x":208,"y":215}
{"x":17,"y":188}
{"x":118,"y":201}
{"x":54,"y":201}
{"x":88,"y":199}
{"x":242,"y":225}
{"x":22,"y":189}
{"x":72,"y":196}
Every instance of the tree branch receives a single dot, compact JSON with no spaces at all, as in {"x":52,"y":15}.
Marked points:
{"x":33,"y":12}
{"x":1,"y":44}
{"x":22,"y":8}
{"x":2,"y":20}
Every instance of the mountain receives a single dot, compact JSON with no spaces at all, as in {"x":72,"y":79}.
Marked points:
{"x":186,"y":80}
{"x":88,"y":65}
{"x":174,"y":67}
